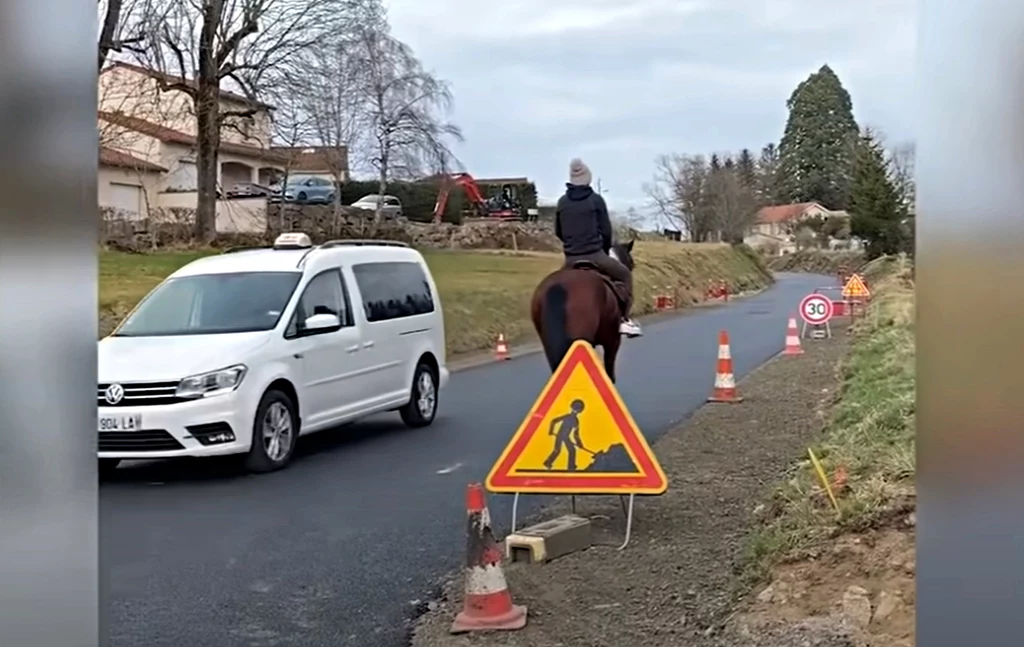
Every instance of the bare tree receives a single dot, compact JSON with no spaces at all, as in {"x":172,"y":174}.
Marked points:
{"x":200,"y":45}
{"x":679,"y":192}
{"x":733,"y":206}
{"x":901,"y":165}
{"x":336,"y":110}
{"x":119,"y":31}
{"x":405,"y":107}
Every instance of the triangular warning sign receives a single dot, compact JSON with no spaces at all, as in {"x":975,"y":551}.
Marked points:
{"x":855,"y":288}
{"x":578,"y":438}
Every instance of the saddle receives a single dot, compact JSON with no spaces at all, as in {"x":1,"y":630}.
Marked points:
{"x":591,"y":267}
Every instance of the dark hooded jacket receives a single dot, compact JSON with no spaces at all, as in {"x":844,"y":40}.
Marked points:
{"x":581,"y":222}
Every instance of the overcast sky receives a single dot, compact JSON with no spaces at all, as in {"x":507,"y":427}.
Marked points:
{"x":617,"y":82}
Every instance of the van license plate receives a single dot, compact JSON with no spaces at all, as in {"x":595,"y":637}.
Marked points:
{"x":123,"y":422}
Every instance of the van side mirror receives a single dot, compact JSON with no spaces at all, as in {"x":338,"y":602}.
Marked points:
{"x":321,"y":322}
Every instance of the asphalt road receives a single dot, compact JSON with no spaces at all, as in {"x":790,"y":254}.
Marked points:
{"x":339,"y":549}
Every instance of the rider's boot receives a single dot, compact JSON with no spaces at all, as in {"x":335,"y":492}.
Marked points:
{"x":630,"y":328}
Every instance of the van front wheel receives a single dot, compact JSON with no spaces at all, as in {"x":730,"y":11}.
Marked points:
{"x":422,"y":406}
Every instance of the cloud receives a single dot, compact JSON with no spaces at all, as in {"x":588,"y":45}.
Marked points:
{"x":537,"y":82}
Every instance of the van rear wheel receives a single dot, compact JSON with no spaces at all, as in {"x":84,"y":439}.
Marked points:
{"x":422,"y":406}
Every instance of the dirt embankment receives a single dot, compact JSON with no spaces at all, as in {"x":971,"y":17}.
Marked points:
{"x":817,"y":261}
{"x":744,"y":550}
{"x":675,"y":583}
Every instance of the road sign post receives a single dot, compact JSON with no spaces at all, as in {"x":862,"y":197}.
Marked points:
{"x":578,"y":438}
{"x":856,"y":292}
{"x":816,"y":310}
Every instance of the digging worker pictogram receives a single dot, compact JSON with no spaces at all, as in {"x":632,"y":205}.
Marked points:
{"x":567,"y":436}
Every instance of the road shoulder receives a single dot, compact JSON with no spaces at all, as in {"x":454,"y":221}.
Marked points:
{"x":676,"y":580}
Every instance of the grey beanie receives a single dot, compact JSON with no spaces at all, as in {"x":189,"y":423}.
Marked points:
{"x":579,"y":173}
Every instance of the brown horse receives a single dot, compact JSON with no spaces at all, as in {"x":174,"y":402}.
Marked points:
{"x":579,"y":302}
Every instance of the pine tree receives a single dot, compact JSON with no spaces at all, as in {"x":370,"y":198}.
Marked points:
{"x":716,"y":163}
{"x":877,"y":214}
{"x":746,"y":169}
{"x":817,"y":147}
{"x":767,"y":175}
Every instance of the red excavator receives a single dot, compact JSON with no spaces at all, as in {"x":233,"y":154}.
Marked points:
{"x":504,"y":206}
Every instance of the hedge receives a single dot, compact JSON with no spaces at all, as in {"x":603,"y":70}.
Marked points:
{"x":418,"y":198}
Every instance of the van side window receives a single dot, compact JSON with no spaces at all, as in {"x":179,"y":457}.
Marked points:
{"x":392,"y":290}
{"x":325,"y":294}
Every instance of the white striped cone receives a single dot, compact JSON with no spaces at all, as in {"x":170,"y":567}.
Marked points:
{"x":501,"y":348}
{"x":725,"y":380}
{"x":487,"y":604}
{"x":793,"y":346}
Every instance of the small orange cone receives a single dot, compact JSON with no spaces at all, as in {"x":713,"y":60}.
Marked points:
{"x":793,"y":346}
{"x":487,"y":604}
{"x":725,"y":381}
{"x":501,"y":348}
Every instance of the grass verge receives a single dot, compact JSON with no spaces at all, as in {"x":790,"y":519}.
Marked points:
{"x":870,"y":435}
{"x":483,"y":293}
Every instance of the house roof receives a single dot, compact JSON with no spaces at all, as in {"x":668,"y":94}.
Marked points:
{"x":118,"y":159}
{"x":170,"y":78}
{"x":784,"y":212}
{"x":312,"y":159}
{"x":169,"y":135}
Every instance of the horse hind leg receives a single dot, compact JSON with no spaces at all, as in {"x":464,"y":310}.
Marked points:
{"x":554,"y":336}
{"x":611,"y":351}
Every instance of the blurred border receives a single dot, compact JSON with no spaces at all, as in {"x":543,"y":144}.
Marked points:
{"x":970,"y":269}
{"x":49,"y":584}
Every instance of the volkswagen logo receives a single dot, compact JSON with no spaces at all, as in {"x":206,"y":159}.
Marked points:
{"x":114,"y":393}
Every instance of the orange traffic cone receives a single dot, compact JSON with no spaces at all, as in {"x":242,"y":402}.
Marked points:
{"x":487,"y":604}
{"x":793,"y":346}
{"x":725,"y":381}
{"x":501,"y":348}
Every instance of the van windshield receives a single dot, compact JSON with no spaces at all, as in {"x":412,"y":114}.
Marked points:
{"x":207,"y":304}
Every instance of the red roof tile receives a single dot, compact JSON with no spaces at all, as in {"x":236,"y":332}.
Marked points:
{"x":118,"y":159}
{"x":783,"y":212}
{"x":311,"y":159}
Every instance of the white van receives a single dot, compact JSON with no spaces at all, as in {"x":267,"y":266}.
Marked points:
{"x":242,"y":352}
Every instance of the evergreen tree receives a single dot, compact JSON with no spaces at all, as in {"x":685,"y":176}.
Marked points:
{"x":877,"y":215}
{"x":817,"y":147}
{"x":716,"y":163}
{"x":767,"y":175}
{"x":746,"y":169}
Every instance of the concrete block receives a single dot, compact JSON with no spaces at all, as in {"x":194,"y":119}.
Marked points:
{"x":549,"y":540}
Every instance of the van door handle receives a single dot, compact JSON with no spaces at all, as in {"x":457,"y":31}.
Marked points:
{"x":353,"y":348}
{"x":367,"y":344}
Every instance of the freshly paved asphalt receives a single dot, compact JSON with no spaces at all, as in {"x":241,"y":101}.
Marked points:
{"x":341,"y":548}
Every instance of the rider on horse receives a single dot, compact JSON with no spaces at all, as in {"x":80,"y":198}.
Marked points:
{"x":583,"y":226}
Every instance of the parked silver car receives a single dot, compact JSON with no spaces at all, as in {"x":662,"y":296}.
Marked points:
{"x":305,"y":189}
{"x":392,"y":205}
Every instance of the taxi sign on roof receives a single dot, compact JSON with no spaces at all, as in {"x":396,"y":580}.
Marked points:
{"x":855,"y":288}
{"x":578,"y":438}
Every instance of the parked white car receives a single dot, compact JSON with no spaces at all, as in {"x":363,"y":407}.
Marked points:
{"x":243,"y":352}
{"x":392,"y":206}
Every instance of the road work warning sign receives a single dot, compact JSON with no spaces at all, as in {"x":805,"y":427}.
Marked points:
{"x":578,"y":438}
{"x":855,"y":288}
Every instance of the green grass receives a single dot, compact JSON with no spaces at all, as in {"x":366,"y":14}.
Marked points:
{"x":483,"y":293}
{"x":870,"y":434}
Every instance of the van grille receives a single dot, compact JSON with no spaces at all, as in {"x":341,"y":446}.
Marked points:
{"x":141,"y":394}
{"x":146,"y":440}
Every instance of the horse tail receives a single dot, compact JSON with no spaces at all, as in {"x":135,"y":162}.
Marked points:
{"x":555,"y":325}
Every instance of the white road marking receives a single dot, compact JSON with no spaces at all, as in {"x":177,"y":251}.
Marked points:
{"x":449,"y":469}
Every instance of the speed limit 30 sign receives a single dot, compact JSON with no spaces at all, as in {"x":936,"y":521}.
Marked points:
{"x":816,"y":309}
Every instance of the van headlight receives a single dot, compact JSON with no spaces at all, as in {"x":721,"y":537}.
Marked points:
{"x":218,"y":382}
